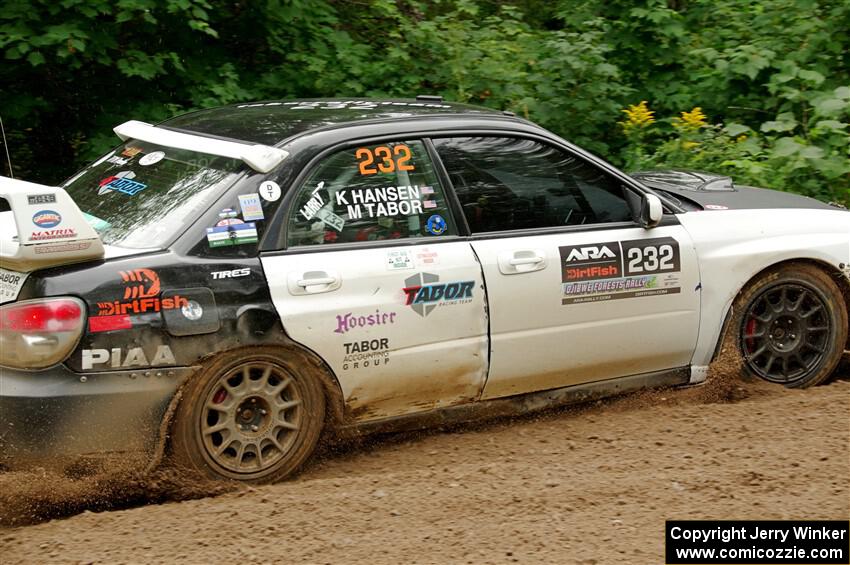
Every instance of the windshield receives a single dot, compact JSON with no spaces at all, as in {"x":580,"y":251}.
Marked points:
{"x":142,"y":195}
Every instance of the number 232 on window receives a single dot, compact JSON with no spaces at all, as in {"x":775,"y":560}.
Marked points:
{"x":386,"y":160}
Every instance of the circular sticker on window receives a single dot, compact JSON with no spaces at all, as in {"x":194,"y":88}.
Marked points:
{"x":270,"y":190}
{"x":152,"y":158}
{"x":436,"y":225}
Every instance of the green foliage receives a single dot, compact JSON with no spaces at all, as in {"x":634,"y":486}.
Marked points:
{"x":773,"y":70}
{"x":782,"y":155}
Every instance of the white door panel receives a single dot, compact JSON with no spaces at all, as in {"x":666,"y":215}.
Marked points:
{"x":403,"y":328}
{"x":604,"y":304}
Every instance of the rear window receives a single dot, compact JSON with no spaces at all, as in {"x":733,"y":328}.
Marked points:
{"x":143,"y":195}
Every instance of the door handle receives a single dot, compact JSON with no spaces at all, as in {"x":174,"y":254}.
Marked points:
{"x":304,"y":283}
{"x":521,"y":261}
{"x":525,"y":260}
{"x":313,"y":282}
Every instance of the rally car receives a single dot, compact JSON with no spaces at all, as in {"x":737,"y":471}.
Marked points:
{"x":227,"y":285}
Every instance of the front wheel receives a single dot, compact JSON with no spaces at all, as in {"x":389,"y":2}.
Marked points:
{"x":248,"y":416}
{"x":791,"y":326}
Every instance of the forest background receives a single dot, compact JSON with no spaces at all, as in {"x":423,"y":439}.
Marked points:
{"x":757,"y":89}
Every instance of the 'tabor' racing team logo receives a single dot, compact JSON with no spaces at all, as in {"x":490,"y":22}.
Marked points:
{"x":424,"y":292}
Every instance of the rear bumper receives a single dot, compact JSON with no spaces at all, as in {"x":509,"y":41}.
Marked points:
{"x":57,"y":413}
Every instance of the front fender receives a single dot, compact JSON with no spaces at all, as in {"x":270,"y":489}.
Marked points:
{"x":735,"y":246}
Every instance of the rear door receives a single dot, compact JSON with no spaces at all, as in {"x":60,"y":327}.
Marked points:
{"x":577,"y":291}
{"x":372,"y":276}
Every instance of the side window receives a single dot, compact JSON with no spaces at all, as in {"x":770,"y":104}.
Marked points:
{"x":513,"y":183}
{"x":370,"y":193}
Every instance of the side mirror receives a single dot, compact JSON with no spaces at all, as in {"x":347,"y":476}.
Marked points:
{"x":651,"y":211}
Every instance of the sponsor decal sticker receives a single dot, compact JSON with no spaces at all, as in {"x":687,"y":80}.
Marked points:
{"x":270,"y":190}
{"x":37,"y":199}
{"x":366,"y":353}
{"x":350,"y":321}
{"x":141,"y":296}
{"x":232,"y":274}
{"x":121,"y":182}
{"x":617,"y":270}
{"x":115,"y":358}
{"x":151,"y":158}
{"x":436,"y":225}
{"x":238,"y":234}
{"x":228,"y":213}
{"x":46,"y":219}
{"x":116,"y":160}
{"x":401,"y":259}
{"x":63,"y":247}
{"x":427,"y":257}
{"x":424,"y":292}
{"x":429,"y":204}
{"x":47,"y":235}
{"x":251,"y":207}
{"x":10,"y":284}
{"x":229,"y":222}
{"x":330,"y":219}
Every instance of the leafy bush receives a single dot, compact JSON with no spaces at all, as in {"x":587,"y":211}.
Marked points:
{"x":812,"y":160}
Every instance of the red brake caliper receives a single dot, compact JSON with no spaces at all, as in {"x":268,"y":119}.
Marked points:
{"x":219,"y":397}
{"x":750,"y":342}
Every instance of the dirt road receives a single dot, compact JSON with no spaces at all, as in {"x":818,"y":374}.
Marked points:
{"x":586,"y":485}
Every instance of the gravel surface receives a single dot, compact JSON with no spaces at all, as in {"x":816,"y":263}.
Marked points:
{"x":592,"y":484}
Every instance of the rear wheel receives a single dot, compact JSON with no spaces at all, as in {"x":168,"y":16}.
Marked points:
{"x":791,"y":326}
{"x":248,"y":416}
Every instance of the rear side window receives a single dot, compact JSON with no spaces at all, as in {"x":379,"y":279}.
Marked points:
{"x":370,"y":193}
{"x":143,"y":195}
{"x":512,"y":183}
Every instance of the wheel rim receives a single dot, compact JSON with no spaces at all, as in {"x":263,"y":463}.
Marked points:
{"x":785,"y":333}
{"x":251,"y":418}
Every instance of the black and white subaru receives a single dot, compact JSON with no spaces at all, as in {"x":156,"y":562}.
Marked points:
{"x":224,"y":286}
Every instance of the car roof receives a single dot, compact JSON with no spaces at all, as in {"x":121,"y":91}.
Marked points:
{"x":271,"y":122}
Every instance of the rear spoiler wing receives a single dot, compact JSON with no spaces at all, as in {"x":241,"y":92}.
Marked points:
{"x":261,"y":158}
{"x":51,"y":228}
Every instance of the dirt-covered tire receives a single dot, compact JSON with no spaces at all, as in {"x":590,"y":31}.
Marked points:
{"x":248,"y":416}
{"x":789,"y":326}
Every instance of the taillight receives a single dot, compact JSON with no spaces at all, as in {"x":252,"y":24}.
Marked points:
{"x":39,"y":333}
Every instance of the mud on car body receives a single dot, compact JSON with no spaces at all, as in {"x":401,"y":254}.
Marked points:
{"x":225,"y":286}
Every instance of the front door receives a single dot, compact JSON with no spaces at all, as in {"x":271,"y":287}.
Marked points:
{"x":374,"y":279}
{"x":577,"y":291}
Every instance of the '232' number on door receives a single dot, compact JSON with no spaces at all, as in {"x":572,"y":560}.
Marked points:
{"x":650,"y":259}
{"x":385,"y":159}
